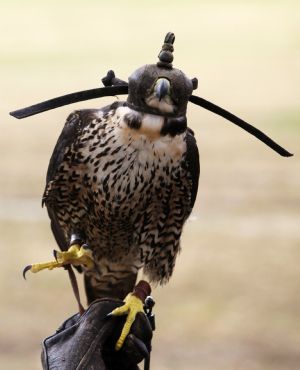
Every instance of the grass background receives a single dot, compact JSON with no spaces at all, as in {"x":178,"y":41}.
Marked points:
{"x":233,"y":302}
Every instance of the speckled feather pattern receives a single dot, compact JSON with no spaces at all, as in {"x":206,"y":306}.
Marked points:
{"x":127,"y":189}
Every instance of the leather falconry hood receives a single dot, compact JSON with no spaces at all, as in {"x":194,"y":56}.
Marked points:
{"x":141,"y":81}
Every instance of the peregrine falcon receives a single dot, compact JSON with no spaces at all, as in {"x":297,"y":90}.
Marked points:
{"x":123,"y":180}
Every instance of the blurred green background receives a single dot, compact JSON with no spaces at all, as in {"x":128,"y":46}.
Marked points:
{"x":234,"y":301}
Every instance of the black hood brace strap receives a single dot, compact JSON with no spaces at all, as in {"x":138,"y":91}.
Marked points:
{"x":123,"y":90}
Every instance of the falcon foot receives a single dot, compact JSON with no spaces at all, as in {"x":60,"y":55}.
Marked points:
{"x":76,"y":255}
{"x":133,"y":303}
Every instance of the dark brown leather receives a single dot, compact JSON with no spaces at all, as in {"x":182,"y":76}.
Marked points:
{"x":87,"y":342}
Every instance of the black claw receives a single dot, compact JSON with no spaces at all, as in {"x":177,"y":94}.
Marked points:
{"x":55,"y":254}
{"x":27,"y":268}
{"x":85,"y":246}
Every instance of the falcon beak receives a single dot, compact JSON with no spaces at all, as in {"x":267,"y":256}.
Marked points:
{"x":162,"y":88}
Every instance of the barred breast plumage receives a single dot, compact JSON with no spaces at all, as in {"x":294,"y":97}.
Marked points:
{"x":125,"y":188}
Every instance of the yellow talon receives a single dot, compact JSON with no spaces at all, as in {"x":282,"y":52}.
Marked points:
{"x":132,"y":305}
{"x":75,"y":255}
{"x":36,"y":267}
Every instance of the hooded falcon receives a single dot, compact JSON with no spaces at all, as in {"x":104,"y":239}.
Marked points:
{"x":121,"y":183}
